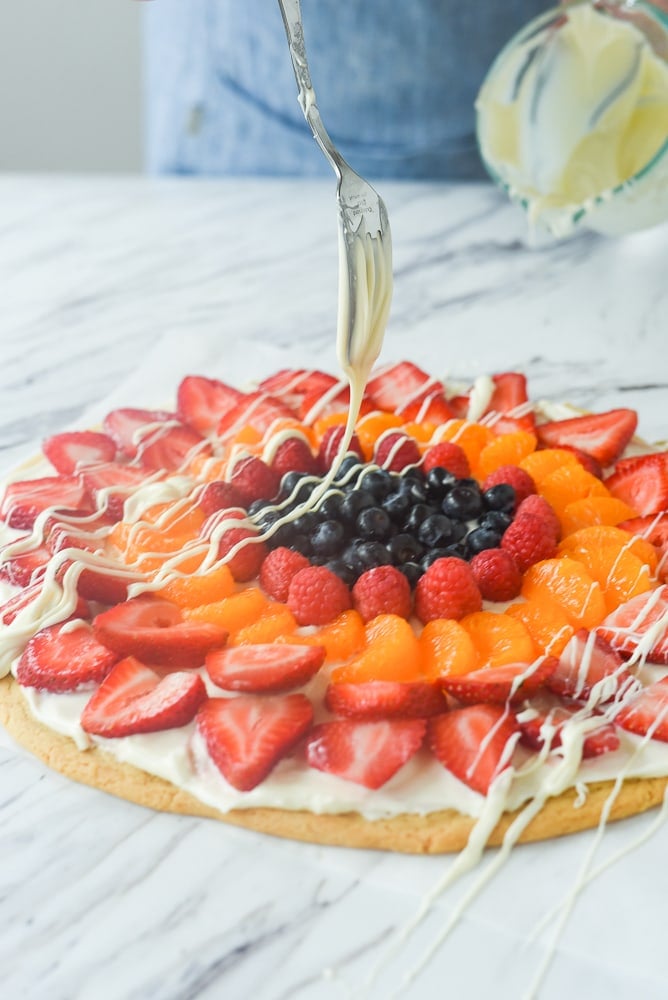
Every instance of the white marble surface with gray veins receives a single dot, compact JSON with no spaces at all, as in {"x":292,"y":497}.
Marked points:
{"x":111,"y":290}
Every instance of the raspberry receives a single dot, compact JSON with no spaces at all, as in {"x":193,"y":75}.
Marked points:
{"x":278,"y":569}
{"x":450,"y":456}
{"x":381,"y":591}
{"x":219,"y":496}
{"x":394,"y":451}
{"x":539,"y":507}
{"x":529,"y":539}
{"x":244,"y":564}
{"x":329,"y":447}
{"x":316,"y":596}
{"x":447,"y":590}
{"x":496,"y":573}
{"x":520,"y":481}
{"x":254,"y":479}
{"x":294,"y":455}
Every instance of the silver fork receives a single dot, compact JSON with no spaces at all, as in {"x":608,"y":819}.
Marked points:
{"x":365,"y":242}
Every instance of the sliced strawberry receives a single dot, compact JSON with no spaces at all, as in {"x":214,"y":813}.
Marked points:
{"x":640,"y":626}
{"x":647,"y":712}
{"x":256,"y":410}
{"x":386,"y":699}
{"x":400,"y":385}
{"x":98,"y":581}
{"x":368,"y":753}
{"x":510,"y":399}
{"x":59,"y":660}
{"x":500,"y":684}
{"x":589,"y":660}
{"x":248,"y":735}
{"x":291,"y":385}
{"x":264,"y":667}
{"x":652,"y":527}
{"x":109,"y":485}
{"x":556,"y":713}
{"x":171,"y":448}
{"x":431,"y":408}
{"x":202,"y":402}
{"x":154,"y":631}
{"x":316,"y":405}
{"x":25,"y":500}
{"x":134,"y":699}
{"x":472,"y":743}
{"x":604,"y":436}
{"x":71,"y":450}
{"x":128,"y":426}
{"x":460,"y":406}
{"x":588,"y":462}
{"x":24,"y":568}
{"x":70,"y":530}
{"x":11,"y":608}
{"x":642,"y":483}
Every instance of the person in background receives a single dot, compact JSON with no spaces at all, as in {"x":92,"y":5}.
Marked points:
{"x":396,"y":83}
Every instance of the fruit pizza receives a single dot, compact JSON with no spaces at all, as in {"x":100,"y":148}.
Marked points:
{"x":461,"y":621}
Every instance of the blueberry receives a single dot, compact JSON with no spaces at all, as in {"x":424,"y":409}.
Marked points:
{"x":416,"y":515}
{"x":266,"y":517}
{"x":374,"y":523}
{"x":430,"y":557}
{"x":404,"y":548}
{"x":330,"y":507}
{"x":463,"y":503}
{"x":439,"y":482}
{"x":355,"y":501}
{"x":305,"y":523}
{"x":301,"y":543}
{"x":496,"y":519}
{"x":373,"y":554}
{"x":459,"y":532}
{"x":342,"y":570}
{"x":413,"y":488}
{"x":377,"y":481}
{"x":352,"y":559}
{"x":397,"y":505}
{"x":327,"y":538}
{"x":412,"y":571}
{"x":435,"y":531}
{"x":304,"y":485}
{"x":500,"y":497}
{"x":482,"y":538}
{"x":346,"y":471}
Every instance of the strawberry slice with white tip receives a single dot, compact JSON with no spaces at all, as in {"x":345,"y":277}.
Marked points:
{"x":400,"y":384}
{"x":15,"y":605}
{"x":248,"y":735}
{"x":293,"y":384}
{"x":155,"y":631}
{"x":544,"y":719}
{"x":171,"y":448}
{"x":474,"y":743}
{"x":604,"y":436}
{"x":509,"y":404}
{"x":642,"y":483}
{"x":256,"y":410}
{"x":588,"y":660}
{"x":647,"y":713}
{"x":639,"y":627}
{"x":386,"y":699}
{"x":201,"y":402}
{"x":25,"y":500}
{"x":108,"y":486}
{"x":24,"y":568}
{"x":58,"y":659}
{"x":368,"y":753}
{"x":128,"y":426}
{"x":264,"y":667}
{"x":72,"y":450}
{"x":500,"y":684}
{"x":135,"y":699}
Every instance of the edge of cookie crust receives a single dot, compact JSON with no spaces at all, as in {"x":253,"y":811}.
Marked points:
{"x":441,"y":832}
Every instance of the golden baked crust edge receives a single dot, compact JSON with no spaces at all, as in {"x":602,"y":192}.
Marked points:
{"x":441,"y":832}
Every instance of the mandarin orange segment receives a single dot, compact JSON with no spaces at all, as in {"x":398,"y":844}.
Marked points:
{"x":471,"y":438}
{"x":594,"y":510}
{"x":207,"y":469}
{"x":545,"y":622}
{"x":613,"y":560}
{"x":343,"y":637}
{"x":420,"y":432}
{"x":604,"y":535}
{"x":392,"y":653}
{"x":191,"y":591}
{"x":447,"y":649}
{"x":276,"y":620}
{"x":184,"y":517}
{"x":569,"y":483}
{"x":370,"y":428}
{"x":567,"y":582}
{"x":506,"y":449}
{"x":539,"y":464}
{"x":499,"y":639}
{"x":232,"y":613}
{"x":323,"y":424}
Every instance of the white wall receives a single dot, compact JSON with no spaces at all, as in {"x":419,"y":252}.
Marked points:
{"x":70,"y":85}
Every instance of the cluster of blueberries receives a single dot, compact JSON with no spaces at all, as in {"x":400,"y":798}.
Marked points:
{"x":371,"y":517}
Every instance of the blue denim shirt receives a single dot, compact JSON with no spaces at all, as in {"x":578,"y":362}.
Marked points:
{"x":395,"y":81}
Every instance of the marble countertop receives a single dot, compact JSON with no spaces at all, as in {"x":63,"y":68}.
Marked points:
{"x":108,"y":285}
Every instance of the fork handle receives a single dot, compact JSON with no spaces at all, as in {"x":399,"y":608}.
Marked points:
{"x":294,"y":29}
